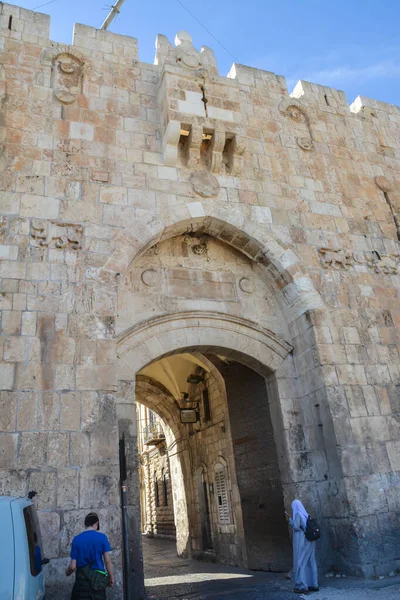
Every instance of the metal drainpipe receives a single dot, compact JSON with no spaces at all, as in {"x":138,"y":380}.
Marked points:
{"x":112,"y":14}
{"x":124,"y":518}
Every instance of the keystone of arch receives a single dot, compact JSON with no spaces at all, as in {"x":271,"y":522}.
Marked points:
{"x":199,"y":331}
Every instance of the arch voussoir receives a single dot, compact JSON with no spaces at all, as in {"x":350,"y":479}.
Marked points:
{"x":200,"y":332}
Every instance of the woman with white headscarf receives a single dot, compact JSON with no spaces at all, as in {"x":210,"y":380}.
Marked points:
{"x":305,"y":573}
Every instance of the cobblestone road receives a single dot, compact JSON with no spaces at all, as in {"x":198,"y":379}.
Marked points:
{"x":172,"y":578}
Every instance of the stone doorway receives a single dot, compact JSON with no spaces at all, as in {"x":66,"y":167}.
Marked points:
{"x":214,"y":437}
{"x":228,"y":452}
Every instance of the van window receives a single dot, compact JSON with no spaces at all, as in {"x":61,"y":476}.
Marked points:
{"x":34,"y":540}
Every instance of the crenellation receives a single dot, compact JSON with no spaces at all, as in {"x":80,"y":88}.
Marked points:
{"x":23,"y":24}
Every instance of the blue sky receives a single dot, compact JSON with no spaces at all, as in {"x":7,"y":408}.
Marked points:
{"x":349,"y":45}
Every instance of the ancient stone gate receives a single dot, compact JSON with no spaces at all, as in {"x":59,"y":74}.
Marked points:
{"x":162,"y":223}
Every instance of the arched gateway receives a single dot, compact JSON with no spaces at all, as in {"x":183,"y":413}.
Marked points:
{"x":204,"y":288}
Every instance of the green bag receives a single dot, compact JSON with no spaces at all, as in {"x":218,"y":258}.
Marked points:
{"x":99,"y":580}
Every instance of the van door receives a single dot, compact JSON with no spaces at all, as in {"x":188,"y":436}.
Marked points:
{"x":36,"y":580}
{"x":29,"y":576}
{"x":6,"y":550}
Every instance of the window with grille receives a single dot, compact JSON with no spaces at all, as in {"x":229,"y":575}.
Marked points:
{"x":206,"y":405}
{"x":222,"y":495}
{"x":165,"y":488}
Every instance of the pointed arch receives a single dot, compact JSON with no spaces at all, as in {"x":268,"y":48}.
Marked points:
{"x":245,"y":228}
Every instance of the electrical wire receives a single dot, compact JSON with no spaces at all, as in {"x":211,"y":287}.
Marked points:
{"x":207,"y":30}
{"x":45,"y":4}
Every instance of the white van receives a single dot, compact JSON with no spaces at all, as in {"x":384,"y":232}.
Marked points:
{"x":21,"y":557}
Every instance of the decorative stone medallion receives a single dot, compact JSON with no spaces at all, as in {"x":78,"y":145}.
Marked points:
{"x":150,"y":277}
{"x":199,"y":249}
{"x":305,"y":143}
{"x":204,"y":184}
{"x":383,"y":183}
{"x":187,"y":55}
{"x":246,"y":285}
{"x":295,"y":113}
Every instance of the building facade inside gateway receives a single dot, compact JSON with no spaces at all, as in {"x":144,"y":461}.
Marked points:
{"x":217,"y":251}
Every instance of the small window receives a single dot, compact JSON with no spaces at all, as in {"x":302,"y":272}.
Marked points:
{"x":206,"y":405}
{"x":224,"y":516}
{"x":156,"y":491}
{"x":165,"y":489}
{"x":34,"y":541}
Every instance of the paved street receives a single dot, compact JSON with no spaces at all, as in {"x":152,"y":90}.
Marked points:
{"x":172,"y":578}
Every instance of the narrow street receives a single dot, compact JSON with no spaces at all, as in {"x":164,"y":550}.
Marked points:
{"x":171,"y":578}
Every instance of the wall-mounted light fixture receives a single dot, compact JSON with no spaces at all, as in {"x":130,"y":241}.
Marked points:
{"x":196,"y":379}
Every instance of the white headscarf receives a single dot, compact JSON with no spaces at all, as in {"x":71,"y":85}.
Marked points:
{"x":298,"y":509}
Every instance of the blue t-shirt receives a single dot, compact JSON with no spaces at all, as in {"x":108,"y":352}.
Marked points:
{"x":88,"y":548}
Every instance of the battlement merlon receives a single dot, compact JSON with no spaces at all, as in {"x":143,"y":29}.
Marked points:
{"x":24,"y":25}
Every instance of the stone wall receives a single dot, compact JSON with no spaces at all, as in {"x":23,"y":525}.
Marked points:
{"x":256,"y":462}
{"x":102,"y":158}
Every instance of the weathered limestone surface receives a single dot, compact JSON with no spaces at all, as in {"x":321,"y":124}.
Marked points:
{"x":153,"y":209}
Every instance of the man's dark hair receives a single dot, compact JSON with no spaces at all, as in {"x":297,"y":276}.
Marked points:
{"x":91,"y":519}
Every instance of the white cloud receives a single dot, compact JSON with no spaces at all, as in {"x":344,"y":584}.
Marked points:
{"x":337,"y":76}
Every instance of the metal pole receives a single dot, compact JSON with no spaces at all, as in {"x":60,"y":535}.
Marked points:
{"x":124,"y":511}
{"x":112,"y":14}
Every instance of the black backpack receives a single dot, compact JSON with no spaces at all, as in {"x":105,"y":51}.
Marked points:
{"x":313,"y":531}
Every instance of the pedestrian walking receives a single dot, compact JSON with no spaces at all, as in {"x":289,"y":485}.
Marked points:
{"x":91,"y":562}
{"x":305,"y":532}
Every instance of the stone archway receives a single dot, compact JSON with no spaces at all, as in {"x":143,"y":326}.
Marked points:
{"x":258,"y":348}
{"x":242,"y":229}
{"x":200,"y":332}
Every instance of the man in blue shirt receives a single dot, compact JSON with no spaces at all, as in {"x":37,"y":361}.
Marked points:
{"x":89,"y":548}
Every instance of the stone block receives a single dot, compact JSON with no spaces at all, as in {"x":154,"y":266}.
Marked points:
{"x":39,"y":207}
{"x":32,"y":450}
{"x":49,"y":411}
{"x":70,"y":411}
{"x":96,"y":377}
{"x":12,"y":269}
{"x":29,"y":323}
{"x":99,"y":487}
{"x":351,"y":374}
{"x":10,"y":203}
{"x":8,"y":412}
{"x":27,"y":411}
{"x":81,"y":131}
{"x":79,"y":449}
{"x":67,"y":489}
{"x":57,"y":449}
{"x":393,"y":450}
{"x":8,"y":450}
{"x":15,"y":349}
{"x":13,"y":482}
{"x":7,"y":376}
{"x":31,"y":184}
{"x":50,"y":530}
{"x":44,"y":483}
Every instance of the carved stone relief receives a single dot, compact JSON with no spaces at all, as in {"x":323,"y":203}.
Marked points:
{"x":204,"y":184}
{"x":150,"y":277}
{"x":56,"y":234}
{"x":67,"y":78}
{"x":68,"y":69}
{"x":246,"y":285}
{"x":184,"y":53}
{"x":387,"y":264}
{"x":305,"y":143}
{"x":383,"y":183}
{"x":296,"y":114}
{"x":199,"y":249}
